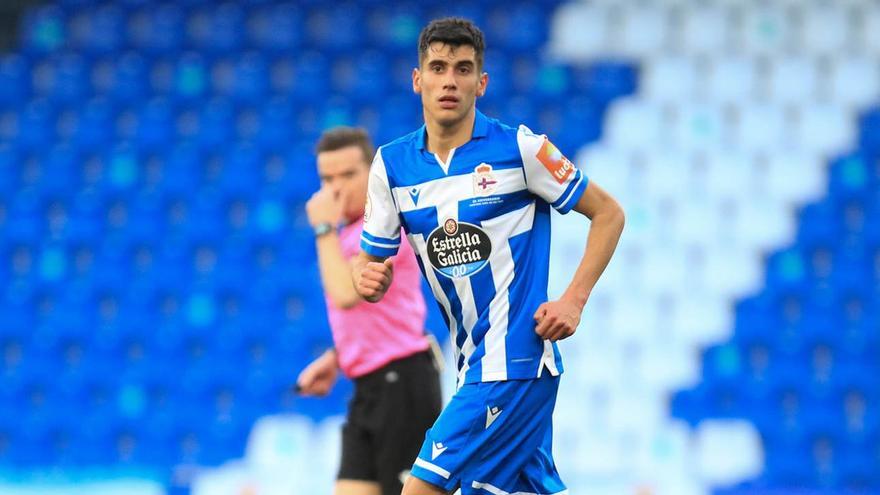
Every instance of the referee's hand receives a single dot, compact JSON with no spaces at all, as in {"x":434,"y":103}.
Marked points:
{"x":373,"y":279}
{"x":319,"y":377}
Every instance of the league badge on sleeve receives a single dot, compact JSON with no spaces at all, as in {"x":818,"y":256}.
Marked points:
{"x":554,"y":161}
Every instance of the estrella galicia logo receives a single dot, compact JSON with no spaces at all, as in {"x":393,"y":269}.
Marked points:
{"x":458,"y":249}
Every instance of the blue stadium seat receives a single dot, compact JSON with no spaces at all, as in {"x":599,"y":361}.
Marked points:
{"x":98,"y":31}
{"x":145,"y":218}
{"x":25,"y":224}
{"x":126,"y":78}
{"x":157,"y":29}
{"x":86,"y":217}
{"x":851,"y":177}
{"x":605,"y":81}
{"x":276,"y":28}
{"x":869,"y":126}
{"x":191,"y":76}
{"x":242,"y":169}
{"x":155,"y":125}
{"x":217,"y":29}
{"x":336,"y":29}
{"x":182,"y":169}
{"x":277,"y":118}
{"x":36,"y":122}
{"x":362,"y":79}
{"x":14,"y":79}
{"x":216,"y":122}
{"x":95,"y":124}
{"x":43,"y":30}
{"x":395,"y":28}
{"x":312,"y":77}
{"x":63,"y":78}
{"x":521,"y":26}
{"x":498,"y":66}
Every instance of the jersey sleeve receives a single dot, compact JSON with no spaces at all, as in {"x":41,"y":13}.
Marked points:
{"x":381,"y":234}
{"x":549,"y":174}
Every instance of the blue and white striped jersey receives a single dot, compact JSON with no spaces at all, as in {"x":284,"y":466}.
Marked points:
{"x":480,"y":225}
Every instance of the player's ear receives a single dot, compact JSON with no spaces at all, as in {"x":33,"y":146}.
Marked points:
{"x":484,"y":82}
{"x":417,"y":81}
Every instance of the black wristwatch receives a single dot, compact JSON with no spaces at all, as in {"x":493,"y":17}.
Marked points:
{"x":323,"y":229}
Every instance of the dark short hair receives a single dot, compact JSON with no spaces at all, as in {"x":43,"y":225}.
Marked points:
{"x":342,"y":136}
{"x":453,"y":31}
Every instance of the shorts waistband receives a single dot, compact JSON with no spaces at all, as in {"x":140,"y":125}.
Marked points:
{"x":399,"y":365}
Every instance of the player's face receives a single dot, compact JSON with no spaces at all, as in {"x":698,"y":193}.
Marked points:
{"x":345,"y":173}
{"x":449,"y":82}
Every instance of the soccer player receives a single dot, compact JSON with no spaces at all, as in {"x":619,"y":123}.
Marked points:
{"x":382,"y":347}
{"x":474,"y":196}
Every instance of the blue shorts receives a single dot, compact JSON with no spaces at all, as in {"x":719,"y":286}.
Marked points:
{"x":494,"y":438}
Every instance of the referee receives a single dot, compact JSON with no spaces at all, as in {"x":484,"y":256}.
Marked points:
{"x":382,"y":347}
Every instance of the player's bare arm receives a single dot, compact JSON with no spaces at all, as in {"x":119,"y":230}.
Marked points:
{"x":372,"y":276}
{"x":559,"y":319}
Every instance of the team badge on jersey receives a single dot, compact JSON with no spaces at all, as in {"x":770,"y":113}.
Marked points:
{"x":485,"y":182}
{"x":554,"y":161}
{"x":458,"y":249}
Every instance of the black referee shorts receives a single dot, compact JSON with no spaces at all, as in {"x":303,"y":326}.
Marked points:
{"x":387,"y":419}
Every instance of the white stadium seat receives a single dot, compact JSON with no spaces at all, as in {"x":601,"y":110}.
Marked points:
{"x":825,"y":29}
{"x":644,"y":31}
{"x":705,"y":29}
{"x":765,"y":29}
{"x":580,"y":31}
{"x":636,"y":125}
{"x":794,"y":80}
{"x":671,"y":78}
{"x":731,"y":80}
{"x":855,"y":80}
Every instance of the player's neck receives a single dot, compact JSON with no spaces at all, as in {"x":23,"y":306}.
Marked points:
{"x":443,"y":139}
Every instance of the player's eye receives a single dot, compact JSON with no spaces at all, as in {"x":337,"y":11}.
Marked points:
{"x":464,"y":69}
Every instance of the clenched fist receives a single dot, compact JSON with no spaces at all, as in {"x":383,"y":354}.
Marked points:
{"x":557,"y":320}
{"x":373,"y":279}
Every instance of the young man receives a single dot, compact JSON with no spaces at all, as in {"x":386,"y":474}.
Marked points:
{"x":382,"y":347}
{"x":474,"y":198}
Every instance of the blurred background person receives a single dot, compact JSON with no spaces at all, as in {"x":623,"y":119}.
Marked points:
{"x":383,"y":347}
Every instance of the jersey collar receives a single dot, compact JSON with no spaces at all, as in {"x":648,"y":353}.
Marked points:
{"x":481,"y":128}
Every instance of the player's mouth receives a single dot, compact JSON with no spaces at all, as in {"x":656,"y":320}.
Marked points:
{"x":448,"y":102}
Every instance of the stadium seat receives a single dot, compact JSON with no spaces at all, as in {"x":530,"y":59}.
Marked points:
{"x":732,"y":80}
{"x":43,"y":30}
{"x":157,"y":29}
{"x":335,"y":29}
{"x":824,"y":30}
{"x":705,"y":29}
{"x":98,"y":31}
{"x":218,"y":29}
{"x":276,"y":28}
{"x":855,"y":81}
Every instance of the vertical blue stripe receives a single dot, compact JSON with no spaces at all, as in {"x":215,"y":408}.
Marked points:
{"x":530,"y":252}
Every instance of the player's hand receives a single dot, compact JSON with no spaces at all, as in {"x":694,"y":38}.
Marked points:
{"x":324,"y":207}
{"x":557,"y":320}
{"x":319,"y":377}
{"x":373,"y":280}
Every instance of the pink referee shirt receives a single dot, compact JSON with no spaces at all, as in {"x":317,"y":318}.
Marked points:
{"x":369,"y":336}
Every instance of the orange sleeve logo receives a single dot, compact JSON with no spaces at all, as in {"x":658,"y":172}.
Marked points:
{"x":558,"y":165}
